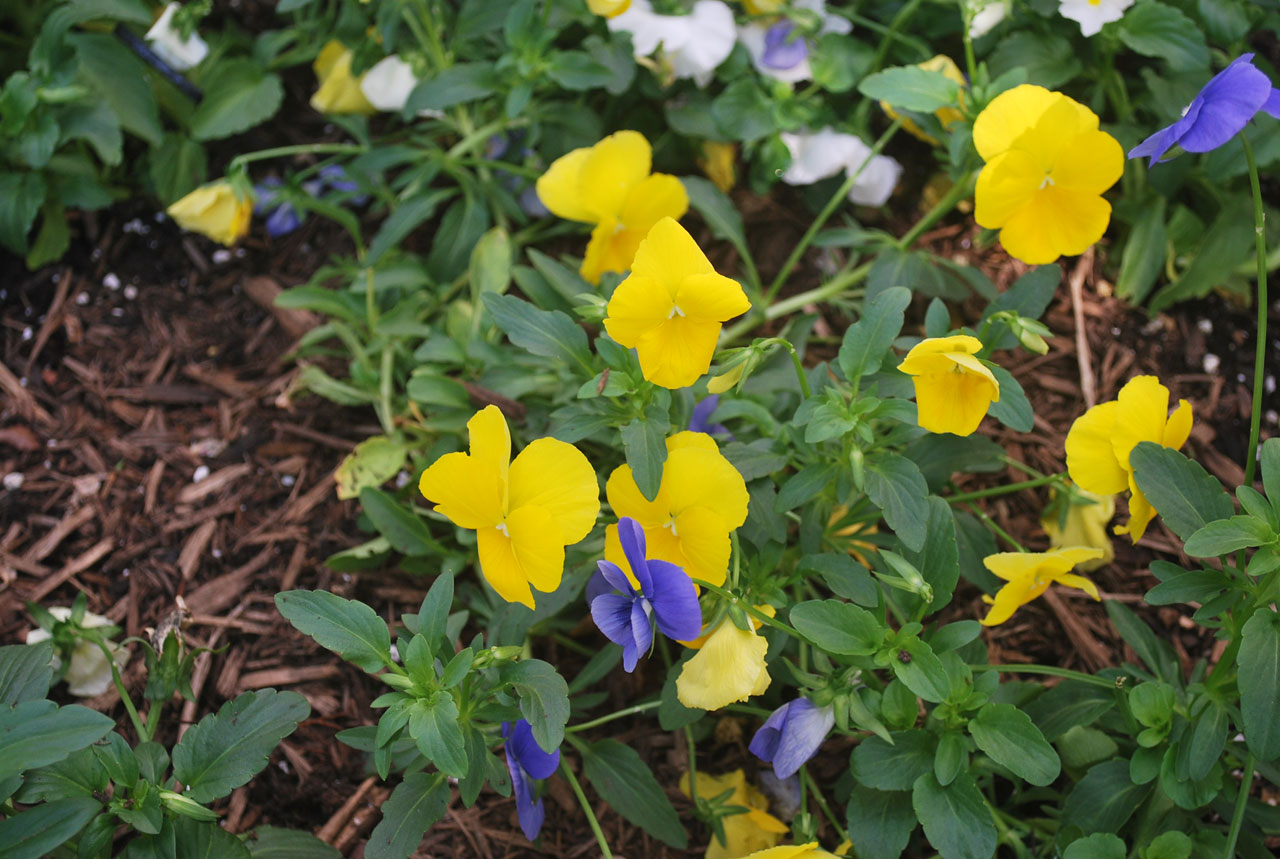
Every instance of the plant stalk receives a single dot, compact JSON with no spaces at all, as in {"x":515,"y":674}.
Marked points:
{"x":1260,"y":352}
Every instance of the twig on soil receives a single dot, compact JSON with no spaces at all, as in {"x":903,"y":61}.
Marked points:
{"x":330,"y":830}
{"x":1081,"y":271}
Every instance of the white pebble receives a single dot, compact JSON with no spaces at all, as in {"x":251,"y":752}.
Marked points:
{"x":111,"y":281}
{"x":1211,"y":363}
{"x":1269,"y":384}
{"x":288,"y":480}
{"x":1205,"y":325}
{"x":28,"y":333}
{"x":82,"y":298}
{"x":222,"y":255}
{"x":1272,"y":416}
{"x":200,"y":474}
{"x":13,"y":480}
{"x":131,"y":292}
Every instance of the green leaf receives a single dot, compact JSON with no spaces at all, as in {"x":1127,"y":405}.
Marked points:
{"x":273,"y":842}
{"x":23,"y":194}
{"x":37,"y":831}
{"x":1144,"y":252}
{"x":1270,"y":460}
{"x":407,"y":217}
{"x":911,"y":87}
{"x":1189,"y":586}
{"x":460,"y":230}
{"x":1157,"y":30}
{"x":349,"y":628}
{"x":1067,"y":705}
{"x":121,"y":80}
{"x":37,"y":733}
{"x":225,"y":749}
{"x":53,"y":239}
{"x":644,"y":440}
{"x":549,"y":333}
{"x":1259,"y":681}
{"x":490,"y":268}
{"x":1009,"y":738}
{"x":1012,"y":409}
{"x":1049,"y":60}
{"x":865,"y":342}
{"x":880,"y":822}
{"x":577,"y":70}
{"x":177,"y":167}
{"x":838,"y":627}
{"x":239,"y":97}
{"x":625,"y":782}
{"x":1170,"y":845}
{"x":433,"y":724}
{"x":877,"y":764}
{"x":413,"y":808}
{"x":1184,"y":494}
{"x":951,"y":758}
{"x":917,"y":666}
{"x":940,"y":455}
{"x":373,"y":462}
{"x":1103,"y":845}
{"x":79,"y":774}
{"x":1224,"y":536}
{"x":401,"y":526}
{"x":1154,"y":651}
{"x":457,"y":84}
{"x":743,"y":112}
{"x":26,"y":672}
{"x":1227,"y":243}
{"x":198,"y":839}
{"x":433,"y":615}
{"x":897,"y":487}
{"x":804,"y":485}
{"x":955,"y":818}
{"x":939,"y":559}
{"x":845,"y":576}
{"x":566,"y":282}
{"x":716,"y":209}
{"x":544,"y":699}
{"x":1105,"y":798}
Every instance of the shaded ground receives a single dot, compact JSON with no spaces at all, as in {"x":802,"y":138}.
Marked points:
{"x":144,"y":407}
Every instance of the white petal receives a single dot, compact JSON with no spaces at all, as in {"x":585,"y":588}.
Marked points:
{"x":876,"y":181}
{"x":1091,"y":17}
{"x":818,"y":156}
{"x":178,"y":52}
{"x":987,"y":17}
{"x":388,"y":82}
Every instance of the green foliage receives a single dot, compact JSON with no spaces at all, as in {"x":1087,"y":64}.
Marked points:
{"x":626,"y":783}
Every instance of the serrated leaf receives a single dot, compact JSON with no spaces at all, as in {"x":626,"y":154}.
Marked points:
{"x":433,"y":724}
{"x":1158,"y":30}
{"x":1102,"y":845}
{"x":1259,"y":681}
{"x":955,"y":818}
{"x":866,"y":341}
{"x":238,"y":98}
{"x":26,"y":671}
{"x":626,"y":783}
{"x":349,"y":628}
{"x":897,"y":487}
{"x":37,"y":733}
{"x":880,"y":765}
{"x":838,"y":627}
{"x":413,"y":808}
{"x":36,"y":832}
{"x":544,"y":699}
{"x":1224,"y":536}
{"x":225,"y":749}
{"x":880,"y":822}
{"x":1185,"y":495}
{"x":1009,"y":737}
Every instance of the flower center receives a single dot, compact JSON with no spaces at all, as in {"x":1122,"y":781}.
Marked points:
{"x":1047,"y":180}
{"x":675,"y":311}
{"x":502,"y":526}
{"x":671,"y":523}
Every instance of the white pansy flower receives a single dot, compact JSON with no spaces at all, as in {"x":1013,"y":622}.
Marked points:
{"x":1092,"y":14}
{"x":388,"y":83}
{"x":824,"y":154}
{"x":986,"y":16}
{"x":169,"y":46}
{"x":89,"y":673}
{"x":788,"y":62}
{"x":694,"y":44}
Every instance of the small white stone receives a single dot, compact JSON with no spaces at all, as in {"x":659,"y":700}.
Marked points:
{"x":1272,"y":416}
{"x":200,"y":474}
{"x":1269,"y":384}
{"x":402,"y":480}
{"x":28,"y":333}
{"x":1211,"y":363}
{"x":111,"y":281}
{"x":82,"y":298}
{"x":131,"y":292}
{"x":288,"y":480}
{"x":117,"y":312}
{"x":1205,"y":326}
{"x":222,"y":255}
{"x":217,"y":553}
{"x":13,"y":480}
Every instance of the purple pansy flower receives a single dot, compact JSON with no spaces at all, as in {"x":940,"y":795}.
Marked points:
{"x":791,"y":735}
{"x":282,"y":217}
{"x":666,"y":595}
{"x":1226,"y":105}
{"x":527,"y":761}
{"x":783,"y":48}
{"x":699,"y":421}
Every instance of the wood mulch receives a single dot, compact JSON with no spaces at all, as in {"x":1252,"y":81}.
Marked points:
{"x":151,"y":453}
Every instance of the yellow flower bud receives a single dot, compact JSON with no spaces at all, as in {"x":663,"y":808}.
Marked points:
{"x":215,"y":210}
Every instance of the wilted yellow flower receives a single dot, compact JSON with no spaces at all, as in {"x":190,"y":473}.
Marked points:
{"x":728,"y":667}
{"x":670,"y":308}
{"x":214,"y":210}
{"x":608,"y":8}
{"x":953,"y":388}
{"x":1029,"y":574}
{"x":524,"y":512}
{"x":946,"y":115}
{"x":609,"y":185}
{"x":717,"y":162}
{"x":1100,"y":441}
{"x":701,"y":499}
{"x":1072,"y":524}
{"x":754,"y":829}
{"x":339,"y":92}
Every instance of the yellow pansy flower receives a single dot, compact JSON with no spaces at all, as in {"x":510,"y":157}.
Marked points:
{"x":1029,"y":574}
{"x":524,"y":512}
{"x":752,"y":830}
{"x":701,"y":499}
{"x":946,"y":115}
{"x":609,"y":185}
{"x":717,"y":162}
{"x":1100,"y":441}
{"x":1069,"y":524}
{"x":798,"y":851}
{"x":763,"y":7}
{"x":608,"y":8}
{"x":953,"y":388}
{"x":339,"y":92}
{"x":1047,"y":165}
{"x":215,"y":210}
{"x":728,"y":667}
{"x":670,"y":308}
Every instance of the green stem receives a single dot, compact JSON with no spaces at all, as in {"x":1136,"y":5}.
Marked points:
{"x":297,"y":149}
{"x":749,"y":609}
{"x":586,"y":807}
{"x":386,"y":414}
{"x":1025,"y":469}
{"x":143,"y":734}
{"x":996,"y":529}
{"x":1242,"y":799}
{"x":1260,"y":353}
{"x":895,"y":25}
{"x":792,"y":303}
{"x":832,"y":204}
{"x":611,"y":717}
{"x":153,"y":717}
{"x":795,"y":359}
{"x":959,"y":191}
{"x":1050,"y":670}
{"x":807,"y":779}
{"x":1002,"y":490}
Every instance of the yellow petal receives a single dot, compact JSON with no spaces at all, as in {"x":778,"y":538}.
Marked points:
{"x":698,"y":477}
{"x":1056,"y":222}
{"x":702,"y":540}
{"x":625,"y":499}
{"x":1013,"y":596}
{"x":612,"y":248}
{"x":500,"y":568}
{"x":717,"y":162}
{"x":489,"y":438}
{"x":1060,"y":128}
{"x":798,"y":851}
{"x":608,"y":8}
{"x":1013,"y":566}
{"x":929,"y":355}
{"x":653,"y":198}
{"x":677,"y":352}
{"x":556,"y":477}
{"x":725,"y":381}
{"x":1005,"y":186}
{"x":538,"y":546}
{"x":1142,"y":409}
{"x":213,"y":210}
{"x":339,"y":91}
{"x":728,"y":668}
{"x":953,"y":402}
{"x":1091,"y":458}
{"x":1084,"y":525}
{"x":1178,"y":428}
{"x":685,"y":438}
{"x":328,"y":58}
{"x":1091,"y":164}
{"x":1140,"y":513}
{"x":616,"y":166}
{"x":558,"y":188}
{"x":711,"y":298}
{"x":465,"y":489}
{"x":1008,"y":116}
{"x":669,"y":255}
{"x":639,"y":305}
{"x":1073,"y":581}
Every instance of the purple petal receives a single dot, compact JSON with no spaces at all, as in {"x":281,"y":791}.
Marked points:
{"x":336,"y":177}
{"x":675,"y":602}
{"x":598,"y":585}
{"x":781,"y":50}
{"x":617,"y":579}
{"x":805,"y":728}
{"x":612,"y":613}
{"x":702,"y":412}
{"x":1230,"y":100}
{"x":1156,"y":145}
{"x":1272,"y":104}
{"x":631,"y":536}
{"x":530,"y":810}
{"x":532,"y":759}
{"x":284,"y":220}
{"x":641,"y":631}
{"x":764,"y":744}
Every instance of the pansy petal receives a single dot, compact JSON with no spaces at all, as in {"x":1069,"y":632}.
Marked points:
{"x":1063,"y":126}
{"x":611,"y":577}
{"x":639,"y":304}
{"x":1006,"y":185}
{"x":606,"y":251}
{"x":669,"y":254}
{"x":1230,"y":100}
{"x":1008,"y":116}
{"x":1012,"y":566}
{"x":1178,"y":429}
{"x":500,"y":568}
{"x":675,"y":602}
{"x":557,"y":477}
{"x":1141,"y":413}
{"x":653,"y":198}
{"x":1140,"y":513}
{"x":631,"y":537}
{"x":464,"y":489}
{"x":559,"y":188}
{"x":711,"y":298}
{"x":678,"y":352}
{"x":616,"y":166}
{"x":764,"y":744}
{"x":1071,"y":580}
{"x":538,"y":545}
{"x":728,"y":668}
{"x":490,"y":440}
{"x":1057,"y":222}
{"x":930,"y":355}
{"x":641,"y":627}
{"x":1091,"y":165}
{"x":805,"y":730}
{"x":612,"y":614}
{"x":1011,"y":597}
{"x":1091,"y":458}
{"x":704,"y":544}
{"x":533,"y":759}
{"x":701,"y":477}
{"x":626,"y":500}
{"x":953,"y":402}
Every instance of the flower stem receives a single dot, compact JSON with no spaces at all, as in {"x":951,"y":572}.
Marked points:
{"x":297,"y":149}
{"x":795,"y":359}
{"x":1242,"y":798}
{"x":1260,"y":353}
{"x":807,"y":779}
{"x":586,"y":807}
{"x":996,"y":529}
{"x":832,"y":204}
{"x":620,"y":714}
{"x":1050,"y":670}
{"x":749,"y":609}
{"x":791,"y":303}
{"x":960,"y":190}
{"x":143,"y":734}
{"x":1002,"y":490}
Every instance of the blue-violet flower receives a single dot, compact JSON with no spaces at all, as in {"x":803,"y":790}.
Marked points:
{"x":527,"y":761}
{"x":791,"y":735}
